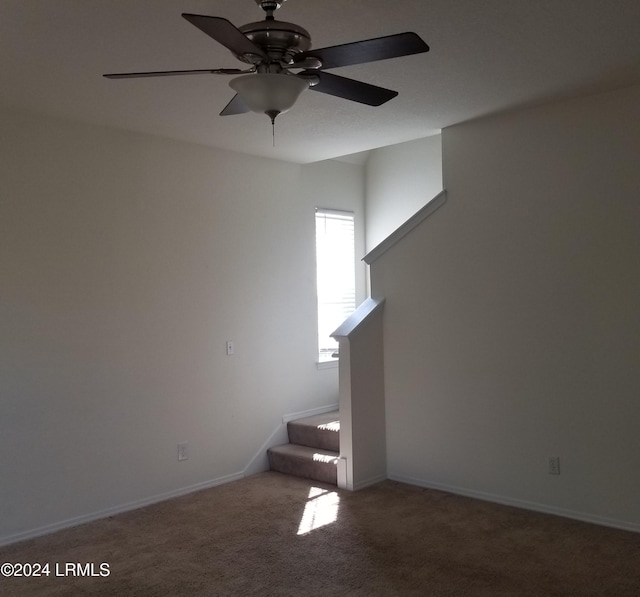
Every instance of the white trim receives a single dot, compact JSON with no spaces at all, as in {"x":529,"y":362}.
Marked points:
{"x":309,"y":413}
{"x":341,"y":469}
{"x":525,"y":505}
{"x":254,"y":466}
{"x":365,"y":310}
{"x":369,"y":482}
{"x":332,"y":364}
{"x":260,"y":461}
{"x":404,"y":229}
{"x":344,"y":484}
{"x":78,"y":520}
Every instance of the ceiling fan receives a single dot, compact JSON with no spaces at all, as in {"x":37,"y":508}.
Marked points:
{"x":282,"y":65}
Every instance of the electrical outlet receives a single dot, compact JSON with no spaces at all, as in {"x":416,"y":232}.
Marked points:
{"x":183,"y":451}
{"x":554,"y":465}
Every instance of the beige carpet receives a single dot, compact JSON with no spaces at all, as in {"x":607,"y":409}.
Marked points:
{"x":276,"y":535}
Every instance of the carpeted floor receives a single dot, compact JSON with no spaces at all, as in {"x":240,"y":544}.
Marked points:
{"x":271,"y":534}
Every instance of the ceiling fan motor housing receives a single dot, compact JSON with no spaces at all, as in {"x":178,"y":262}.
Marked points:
{"x":280,"y":40}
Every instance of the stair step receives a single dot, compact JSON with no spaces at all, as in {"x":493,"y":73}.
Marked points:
{"x":303,"y":461}
{"x":318,"y":431}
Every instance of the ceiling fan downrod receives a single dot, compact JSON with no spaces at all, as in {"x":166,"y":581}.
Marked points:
{"x":270,"y":6}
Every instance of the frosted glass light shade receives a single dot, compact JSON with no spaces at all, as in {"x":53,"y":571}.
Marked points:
{"x":269,"y":92}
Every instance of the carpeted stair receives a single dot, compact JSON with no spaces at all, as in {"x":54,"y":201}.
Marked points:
{"x":313,"y":449}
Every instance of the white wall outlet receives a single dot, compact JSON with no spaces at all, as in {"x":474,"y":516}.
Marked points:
{"x":554,"y":465}
{"x":183,"y":451}
{"x":230,"y":348}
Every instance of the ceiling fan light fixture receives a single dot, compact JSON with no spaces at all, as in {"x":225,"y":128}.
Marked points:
{"x":272,"y":48}
{"x":268,"y":93}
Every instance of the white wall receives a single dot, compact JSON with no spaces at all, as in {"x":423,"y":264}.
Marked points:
{"x":512,"y":327}
{"x":126,"y":262}
{"x":400,"y":179}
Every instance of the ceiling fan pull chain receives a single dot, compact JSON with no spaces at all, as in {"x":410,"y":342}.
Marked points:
{"x":272,"y":114}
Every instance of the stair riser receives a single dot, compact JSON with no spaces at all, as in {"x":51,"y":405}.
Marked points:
{"x":325,"y":472}
{"x":313,"y":437}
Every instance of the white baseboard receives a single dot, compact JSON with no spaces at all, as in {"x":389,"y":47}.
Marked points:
{"x":78,"y":520}
{"x":260,"y":461}
{"x":525,"y":505}
{"x":369,"y":482}
{"x":257,"y":464}
{"x":309,"y":413}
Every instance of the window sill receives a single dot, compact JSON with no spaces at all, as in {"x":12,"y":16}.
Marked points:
{"x":332,"y":364}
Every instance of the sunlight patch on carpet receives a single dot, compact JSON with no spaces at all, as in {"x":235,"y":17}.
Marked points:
{"x":321,"y":509}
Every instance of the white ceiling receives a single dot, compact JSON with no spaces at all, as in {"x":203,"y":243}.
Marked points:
{"x":486,"y":56}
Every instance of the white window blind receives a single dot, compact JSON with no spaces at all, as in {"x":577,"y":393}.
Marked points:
{"x":335,"y":259}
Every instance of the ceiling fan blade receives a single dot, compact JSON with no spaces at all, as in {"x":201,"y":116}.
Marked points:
{"x":235,"y":106}
{"x":225,"y":33}
{"x":171,"y":73}
{"x":350,"y":89}
{"x":359,"y":52}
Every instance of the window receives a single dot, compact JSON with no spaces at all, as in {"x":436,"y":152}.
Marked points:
{"x":335,"y":259}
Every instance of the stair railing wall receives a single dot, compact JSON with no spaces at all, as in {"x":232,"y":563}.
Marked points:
{"x":434,"y":204}
{"x":363,"y":457}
